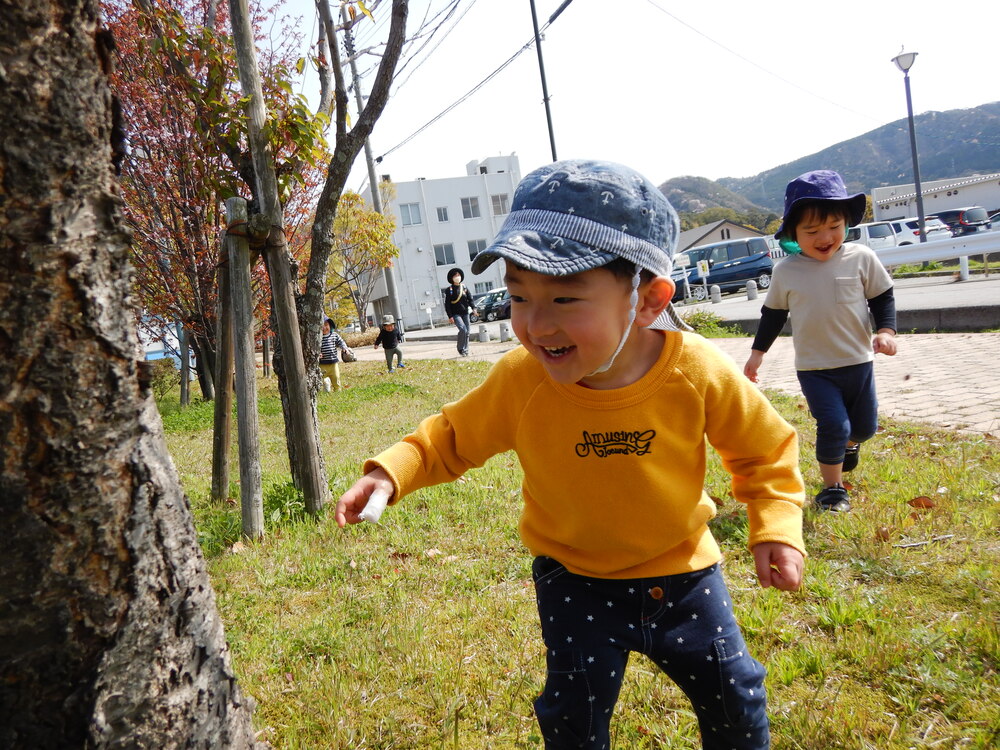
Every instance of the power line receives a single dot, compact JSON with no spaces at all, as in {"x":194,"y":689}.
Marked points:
{"x":758,"y":66}
{"x":461,"y":99}
{"x":434,"y":48}
{"x":528,"y":45}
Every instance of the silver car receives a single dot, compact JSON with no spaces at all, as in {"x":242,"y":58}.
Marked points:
{"x":908,"y":230}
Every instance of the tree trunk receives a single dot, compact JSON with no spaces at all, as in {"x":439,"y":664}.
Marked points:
{"x":109,"y":633}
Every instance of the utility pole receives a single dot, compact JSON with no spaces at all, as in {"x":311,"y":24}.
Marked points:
{"x":390,"y":281}
{"x":541,"y":68}
{"x":545,"y":88}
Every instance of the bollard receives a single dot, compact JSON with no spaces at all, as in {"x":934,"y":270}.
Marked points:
{"x":716,"y":294}
{"x":484,"y":335}
{"x":505,"y":334}
{"x":751,"y":289}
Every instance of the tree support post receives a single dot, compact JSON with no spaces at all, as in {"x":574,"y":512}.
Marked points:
{"x":221,"y":432}
{"x":238,"y":251}
{"x":309,"y":472}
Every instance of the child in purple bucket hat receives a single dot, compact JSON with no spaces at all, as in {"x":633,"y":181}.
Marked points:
{"x":828,"y":287}
{"x":609,"y":403}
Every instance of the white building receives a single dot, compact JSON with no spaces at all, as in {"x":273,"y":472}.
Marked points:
{"x":442,"y":224}
{"x":900,"y":201}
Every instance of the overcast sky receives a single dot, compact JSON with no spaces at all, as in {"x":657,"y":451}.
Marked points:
{"x":723,"y":88}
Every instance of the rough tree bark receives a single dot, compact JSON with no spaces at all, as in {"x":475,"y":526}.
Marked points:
{"x":109,"y":633}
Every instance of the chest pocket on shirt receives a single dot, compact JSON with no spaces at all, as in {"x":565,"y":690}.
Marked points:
{"x":849,"y":290}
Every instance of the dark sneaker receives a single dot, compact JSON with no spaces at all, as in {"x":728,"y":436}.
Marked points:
{"x":851,"y":457}
{"x":833,"y":498}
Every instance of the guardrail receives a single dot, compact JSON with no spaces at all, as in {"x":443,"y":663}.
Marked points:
{"x":947,"y":248}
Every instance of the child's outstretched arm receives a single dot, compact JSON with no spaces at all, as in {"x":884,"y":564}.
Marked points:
{"x":778,"y":565}
{"x":752,"y":366}
{"x":771,"y":322}
{"x":883,"y":309}
{"x":373,"y":489}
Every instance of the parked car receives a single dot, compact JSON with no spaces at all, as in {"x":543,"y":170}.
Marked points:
{"x":995,"y":221}
{"x":965,"y":220}
{"x":876,"y":234}
{"x":908,"y":230}
{"x":494,"y":305}
{"x":474,"y":310}
{"x":731,"y":264}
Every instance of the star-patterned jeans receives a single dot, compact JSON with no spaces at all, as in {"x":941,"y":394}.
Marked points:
{"x":684,"y":623}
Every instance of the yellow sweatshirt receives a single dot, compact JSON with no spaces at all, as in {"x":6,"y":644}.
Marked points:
{"x":613,"y":479}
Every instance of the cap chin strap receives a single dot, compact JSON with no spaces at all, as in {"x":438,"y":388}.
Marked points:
{"x":633,"y":304}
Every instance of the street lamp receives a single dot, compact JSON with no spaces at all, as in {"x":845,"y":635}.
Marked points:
{"x":904,"y":61}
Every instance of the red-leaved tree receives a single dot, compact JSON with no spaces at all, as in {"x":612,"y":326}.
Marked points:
{"x":186,"y":152}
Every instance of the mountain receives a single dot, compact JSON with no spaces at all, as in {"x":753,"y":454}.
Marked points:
{"x":956,"y":143}
{"x":696,"y":194}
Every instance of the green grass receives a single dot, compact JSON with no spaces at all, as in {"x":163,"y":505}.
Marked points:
{"x":421,"y":632}
{"x":976,"y":265}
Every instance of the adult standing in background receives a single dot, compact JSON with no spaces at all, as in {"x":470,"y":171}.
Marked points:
{"x":458,"y":304}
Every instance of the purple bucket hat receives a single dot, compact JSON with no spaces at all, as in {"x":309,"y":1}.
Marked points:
{"x":575,"y":215}
{"x":821,"y":185}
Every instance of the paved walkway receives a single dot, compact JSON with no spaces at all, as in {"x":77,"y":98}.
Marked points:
{"x":951,"y":380}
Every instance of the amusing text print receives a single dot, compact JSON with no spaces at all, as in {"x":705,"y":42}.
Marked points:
{"x":610,"y":443}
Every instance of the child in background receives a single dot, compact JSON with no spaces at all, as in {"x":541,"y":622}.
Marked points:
{"x":458,"y":306}
{"x":329,"y":361}
{"x":828,"y":287}
{"x":390,"y":339}
{"x":608,"y":404}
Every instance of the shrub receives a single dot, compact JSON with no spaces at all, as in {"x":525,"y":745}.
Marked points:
{"x":710,"y":325}
{"x":165,"y":377}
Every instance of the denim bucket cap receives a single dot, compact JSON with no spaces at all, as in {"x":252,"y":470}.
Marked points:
{"x":576,"y":215}
{"x":821,"y":185}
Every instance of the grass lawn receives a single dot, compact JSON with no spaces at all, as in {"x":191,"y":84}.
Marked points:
{"x":421,"y":632}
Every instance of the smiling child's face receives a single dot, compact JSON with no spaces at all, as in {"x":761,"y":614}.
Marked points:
{"x":820,"y":237}
{"x":572,"y":324}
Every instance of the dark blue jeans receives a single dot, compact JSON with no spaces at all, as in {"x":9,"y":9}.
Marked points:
{"x":463,"y":324}
{"x":683,"y":623}
{"x":844,"y":405}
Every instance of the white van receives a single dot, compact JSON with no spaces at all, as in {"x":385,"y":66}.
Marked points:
{"x":876,"y":234}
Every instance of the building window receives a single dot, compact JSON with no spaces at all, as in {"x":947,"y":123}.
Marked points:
{"x":476,"y":247}
{"x":483,"y":286}
{"x":410,"y":213}
{"x":442,"y":213}
{"x":501,"y":204}
{"x":470,"y":208}
{"x":444,"y":254}
{"x":725,"y":234}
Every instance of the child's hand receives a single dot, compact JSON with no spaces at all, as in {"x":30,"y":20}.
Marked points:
{"x":753,"y":365}
{"x":778,"y":565}
{"x":884,"y":343}
{"x":354,"y":501}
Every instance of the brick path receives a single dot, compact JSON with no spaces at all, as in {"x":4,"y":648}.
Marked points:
{"x":951,"y":380}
